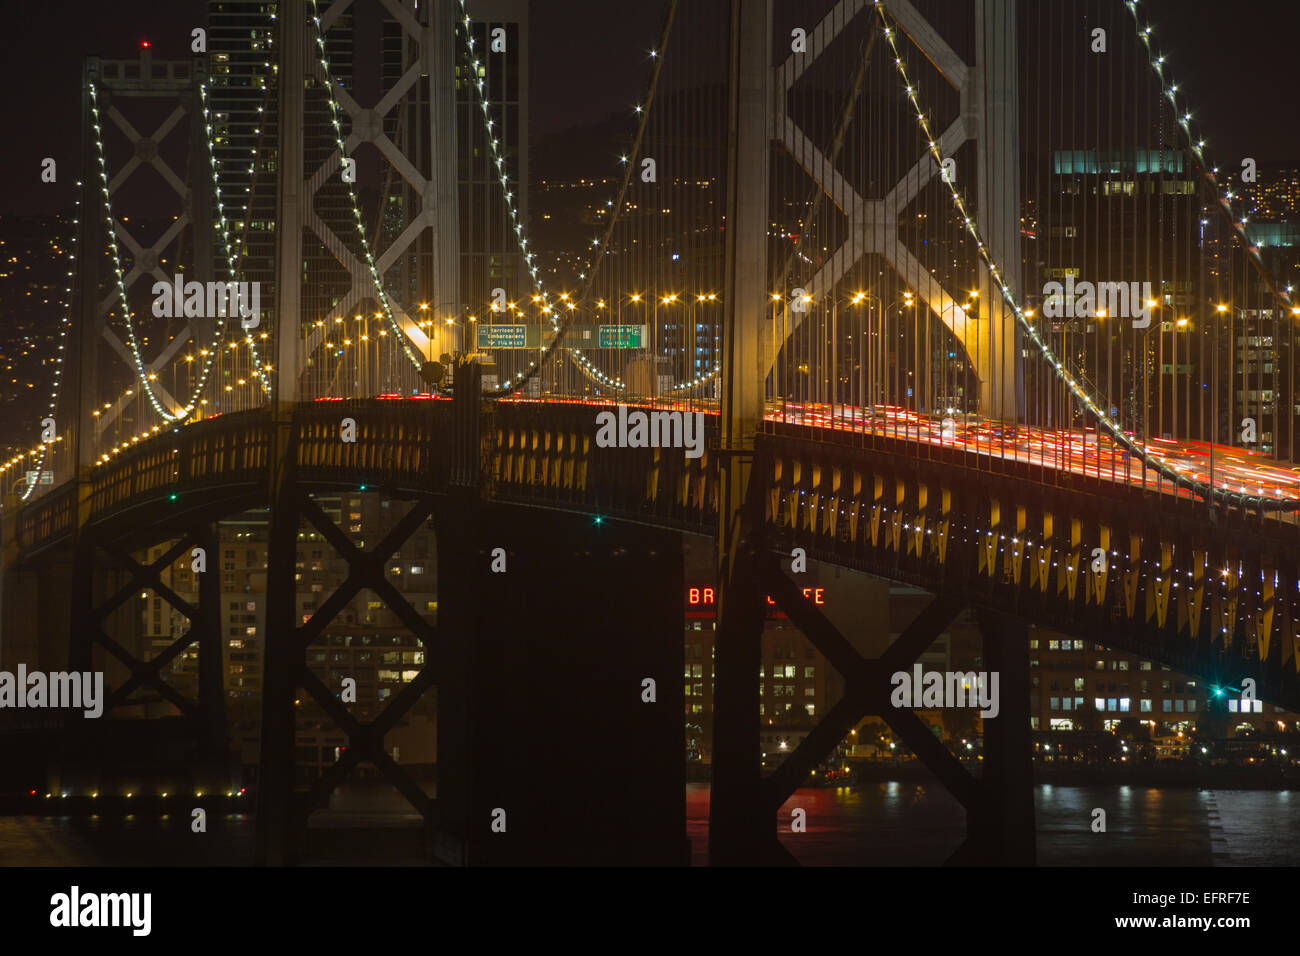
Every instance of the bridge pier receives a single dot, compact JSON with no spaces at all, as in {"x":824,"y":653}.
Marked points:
{"x":519,"y":711}
{"x":284,"y":661}
{"x":1000,"y":826}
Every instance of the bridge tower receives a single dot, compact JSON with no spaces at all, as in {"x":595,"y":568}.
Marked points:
{"x":100,"y":357}
{"x":425,"y":160}
{"x":743,"y":802}
{"x":989,"y":93}
{"x":82,"y":615}
{"x":101,"y":361}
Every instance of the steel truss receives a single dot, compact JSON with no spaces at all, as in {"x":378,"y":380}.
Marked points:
{"x":999,"y":806}
{"x":282,"y":809}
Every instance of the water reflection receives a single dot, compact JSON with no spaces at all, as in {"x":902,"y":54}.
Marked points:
{"x":877,"y":824}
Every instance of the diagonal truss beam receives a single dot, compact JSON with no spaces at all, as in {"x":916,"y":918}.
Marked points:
{"x":366,"y":126}
{"x":918,"y":29}
{"x":147,"y":673}
{"x":827,"y":29}
{"x":365,"y":741}
{"x":146,"y":260}
{"x":866,"y":682}
{"x":873,"y":226}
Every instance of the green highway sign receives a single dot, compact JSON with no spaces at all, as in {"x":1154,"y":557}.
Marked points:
{"x":505,"y":337}
{"x":622,"y":336}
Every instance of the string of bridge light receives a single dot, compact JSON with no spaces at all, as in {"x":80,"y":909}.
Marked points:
{"x":415,"y":359}
{"x":193,"y":402}
{"x":529,"y":257}
{"x":222,"y":228}
{"x":1112,"y":427}
{"x":629,"y":162}
{"x":117,"y":270}
{"x":1223,"y":194}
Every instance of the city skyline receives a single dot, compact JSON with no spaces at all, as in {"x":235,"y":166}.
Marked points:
{"x":735,"y":434}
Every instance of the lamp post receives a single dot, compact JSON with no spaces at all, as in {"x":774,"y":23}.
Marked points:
{"x":874,"y":346}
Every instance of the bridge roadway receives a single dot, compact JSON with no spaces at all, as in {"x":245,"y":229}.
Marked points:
{"x":992,"y":518}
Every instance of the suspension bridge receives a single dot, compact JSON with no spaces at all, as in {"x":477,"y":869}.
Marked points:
{"x":957,"y":287}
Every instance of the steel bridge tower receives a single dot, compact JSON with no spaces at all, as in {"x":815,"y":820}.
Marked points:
{"x":989,"y":91}
{"x":743,"y":801}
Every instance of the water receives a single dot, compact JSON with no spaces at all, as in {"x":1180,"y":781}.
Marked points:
{"x":910,"y":824}
{"x":876,"y":824}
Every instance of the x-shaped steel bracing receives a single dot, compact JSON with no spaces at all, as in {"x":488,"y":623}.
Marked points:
{"x":367,"y":126}
{"x":873,"y":224}
{"x":866,"y":692}
{"x":147,"y":673}
{"x":366,"y":741}
{"x":146,"y":261}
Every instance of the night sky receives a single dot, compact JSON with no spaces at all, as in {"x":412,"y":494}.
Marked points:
{"x":589,"y":62}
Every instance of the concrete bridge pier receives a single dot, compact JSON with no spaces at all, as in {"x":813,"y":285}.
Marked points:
{"x":560,"y":704}
{"x":598,"y":707}
{"x":1000,"y":827}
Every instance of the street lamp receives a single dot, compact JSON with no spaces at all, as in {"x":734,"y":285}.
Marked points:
{"x":875,"y":356}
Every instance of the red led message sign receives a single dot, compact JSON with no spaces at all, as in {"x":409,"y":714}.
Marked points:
{"x":706,"y":597}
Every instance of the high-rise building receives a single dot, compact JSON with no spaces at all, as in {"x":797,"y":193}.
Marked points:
{"x":1126,"y":216}
{"x":490,"y":256}
{"x":1275,"y":194}
{"x":242,"y":107}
